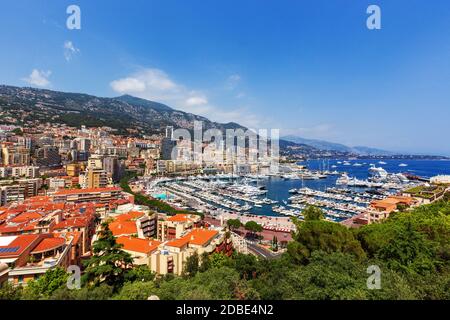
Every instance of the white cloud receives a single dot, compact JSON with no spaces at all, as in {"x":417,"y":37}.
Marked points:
{"x":233,"y":81}
{"x":38,"y":78}
{"x":196,"y":100}
{"x":155,"y":84}
{"x":70,"y":50}
{"x":128,"y":85}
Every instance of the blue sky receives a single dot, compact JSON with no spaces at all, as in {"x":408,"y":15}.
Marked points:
{"x":310,"y":68}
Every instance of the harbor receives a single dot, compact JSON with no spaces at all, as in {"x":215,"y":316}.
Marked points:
{"x":342,"y":189}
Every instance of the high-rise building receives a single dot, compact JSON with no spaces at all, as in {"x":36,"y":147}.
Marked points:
{"x":15,"y":155}
{"x":167,"y":147}
{"x":48,"y":156}
{"x":94,"y":178}
{"x":169,"y":132}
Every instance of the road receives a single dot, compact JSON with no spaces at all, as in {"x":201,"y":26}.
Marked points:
{"x":260,"y":251}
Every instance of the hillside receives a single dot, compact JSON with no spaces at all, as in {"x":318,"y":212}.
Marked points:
{"x":338,"y":147}
{"x":23,"y":106}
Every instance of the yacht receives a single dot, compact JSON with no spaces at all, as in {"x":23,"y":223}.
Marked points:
{"x":378,"y":172}
{"x":402,"y":165}
{"x":382,"y":162}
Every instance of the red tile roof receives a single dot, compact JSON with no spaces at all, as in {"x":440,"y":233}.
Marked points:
{"x":138,"y":245}
{"x":200,"y":236}
{"x":48,"y":244}
{"x":89,"y":190}
{"x":17,"y":244}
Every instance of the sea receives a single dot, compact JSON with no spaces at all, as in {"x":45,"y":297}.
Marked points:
{"x":278,"y":188}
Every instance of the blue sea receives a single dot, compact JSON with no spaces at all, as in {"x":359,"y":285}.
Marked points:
{"x":278,"y":189}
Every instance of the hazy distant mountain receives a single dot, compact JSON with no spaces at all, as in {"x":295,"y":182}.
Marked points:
{"x":372,"y":151}
{"x":319,"y":144}
{"x":331,"y":146}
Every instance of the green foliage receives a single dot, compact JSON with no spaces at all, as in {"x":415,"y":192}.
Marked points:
{"x":415,"y":241}
{"x":139,"y":273}
{"x":10,"y":292}
{"x":154,"y":204}
{"x":191,"y":265}
{"x":324,"y":261}
{"x":234,"y":224}
{"x":312,"y":235}
{"x":204,"y":262}
{"x":109,"y":263}
{"x":218,"y":260}
{"x":253,"y":227}
{"x":45,"y":285}
{"x":136,"y":291}
{"x":312,"y":213}
{"x":102,"y":292}
{"x":17,"y":132}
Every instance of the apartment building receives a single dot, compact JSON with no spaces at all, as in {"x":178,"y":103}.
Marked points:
{"x":19,"y":172}
{"x":29,"y":256}
{"x":173,"y":227}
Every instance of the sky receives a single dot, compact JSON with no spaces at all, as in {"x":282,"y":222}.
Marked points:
{"x":309,"y":68}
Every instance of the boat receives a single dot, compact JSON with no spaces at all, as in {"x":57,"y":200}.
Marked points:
{"x":357,"y":165}
{"x":381,"y":162}
{"x":402,"y":165}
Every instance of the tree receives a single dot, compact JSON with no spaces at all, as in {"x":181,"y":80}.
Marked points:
{"x":10,"y":292}
{"x":312,"y":235}
{"x":218,"y":260}
{"x":191,"y":265}
{"x":45,"y":285}
{"x":139,"y":273}
{"x":204,"y":262}
{"x":275,"y":244}
{"x":253,"y":227}
{"x":234,"y":224}
{"x":109,"y":263}
{"x":312,"y":213}
{"x":409,"y":251}
{"x":136,"y":291}
{"x":18,"y":132}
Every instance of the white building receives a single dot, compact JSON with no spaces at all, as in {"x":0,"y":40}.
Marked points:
{"x":441,"y":179}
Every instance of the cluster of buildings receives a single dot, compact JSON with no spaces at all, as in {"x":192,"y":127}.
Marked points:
{"x":379,"y":210}
{"x":165,"y":242}
{"x":45,"y":232}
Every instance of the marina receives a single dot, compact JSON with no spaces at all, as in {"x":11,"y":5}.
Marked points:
{"x":340,"y":188}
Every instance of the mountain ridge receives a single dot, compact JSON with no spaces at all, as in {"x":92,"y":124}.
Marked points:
{"x":338,"y":147}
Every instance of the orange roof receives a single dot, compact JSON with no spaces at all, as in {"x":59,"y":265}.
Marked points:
{"x":132,"y":215}
{"x":18,"y":244}
{"x":198,"y":237}
{"x":75,"y":234}
{"x":27,"y":216}
{"x":178,"y":218}
{"x":79,"y":222}
{"x":123,"y":227}
{"x":178,"y":243}
{"x":89,"y":190}
{"x":138,"y":245}
{"x":48,"y":244}
{"x":201,"y":236}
